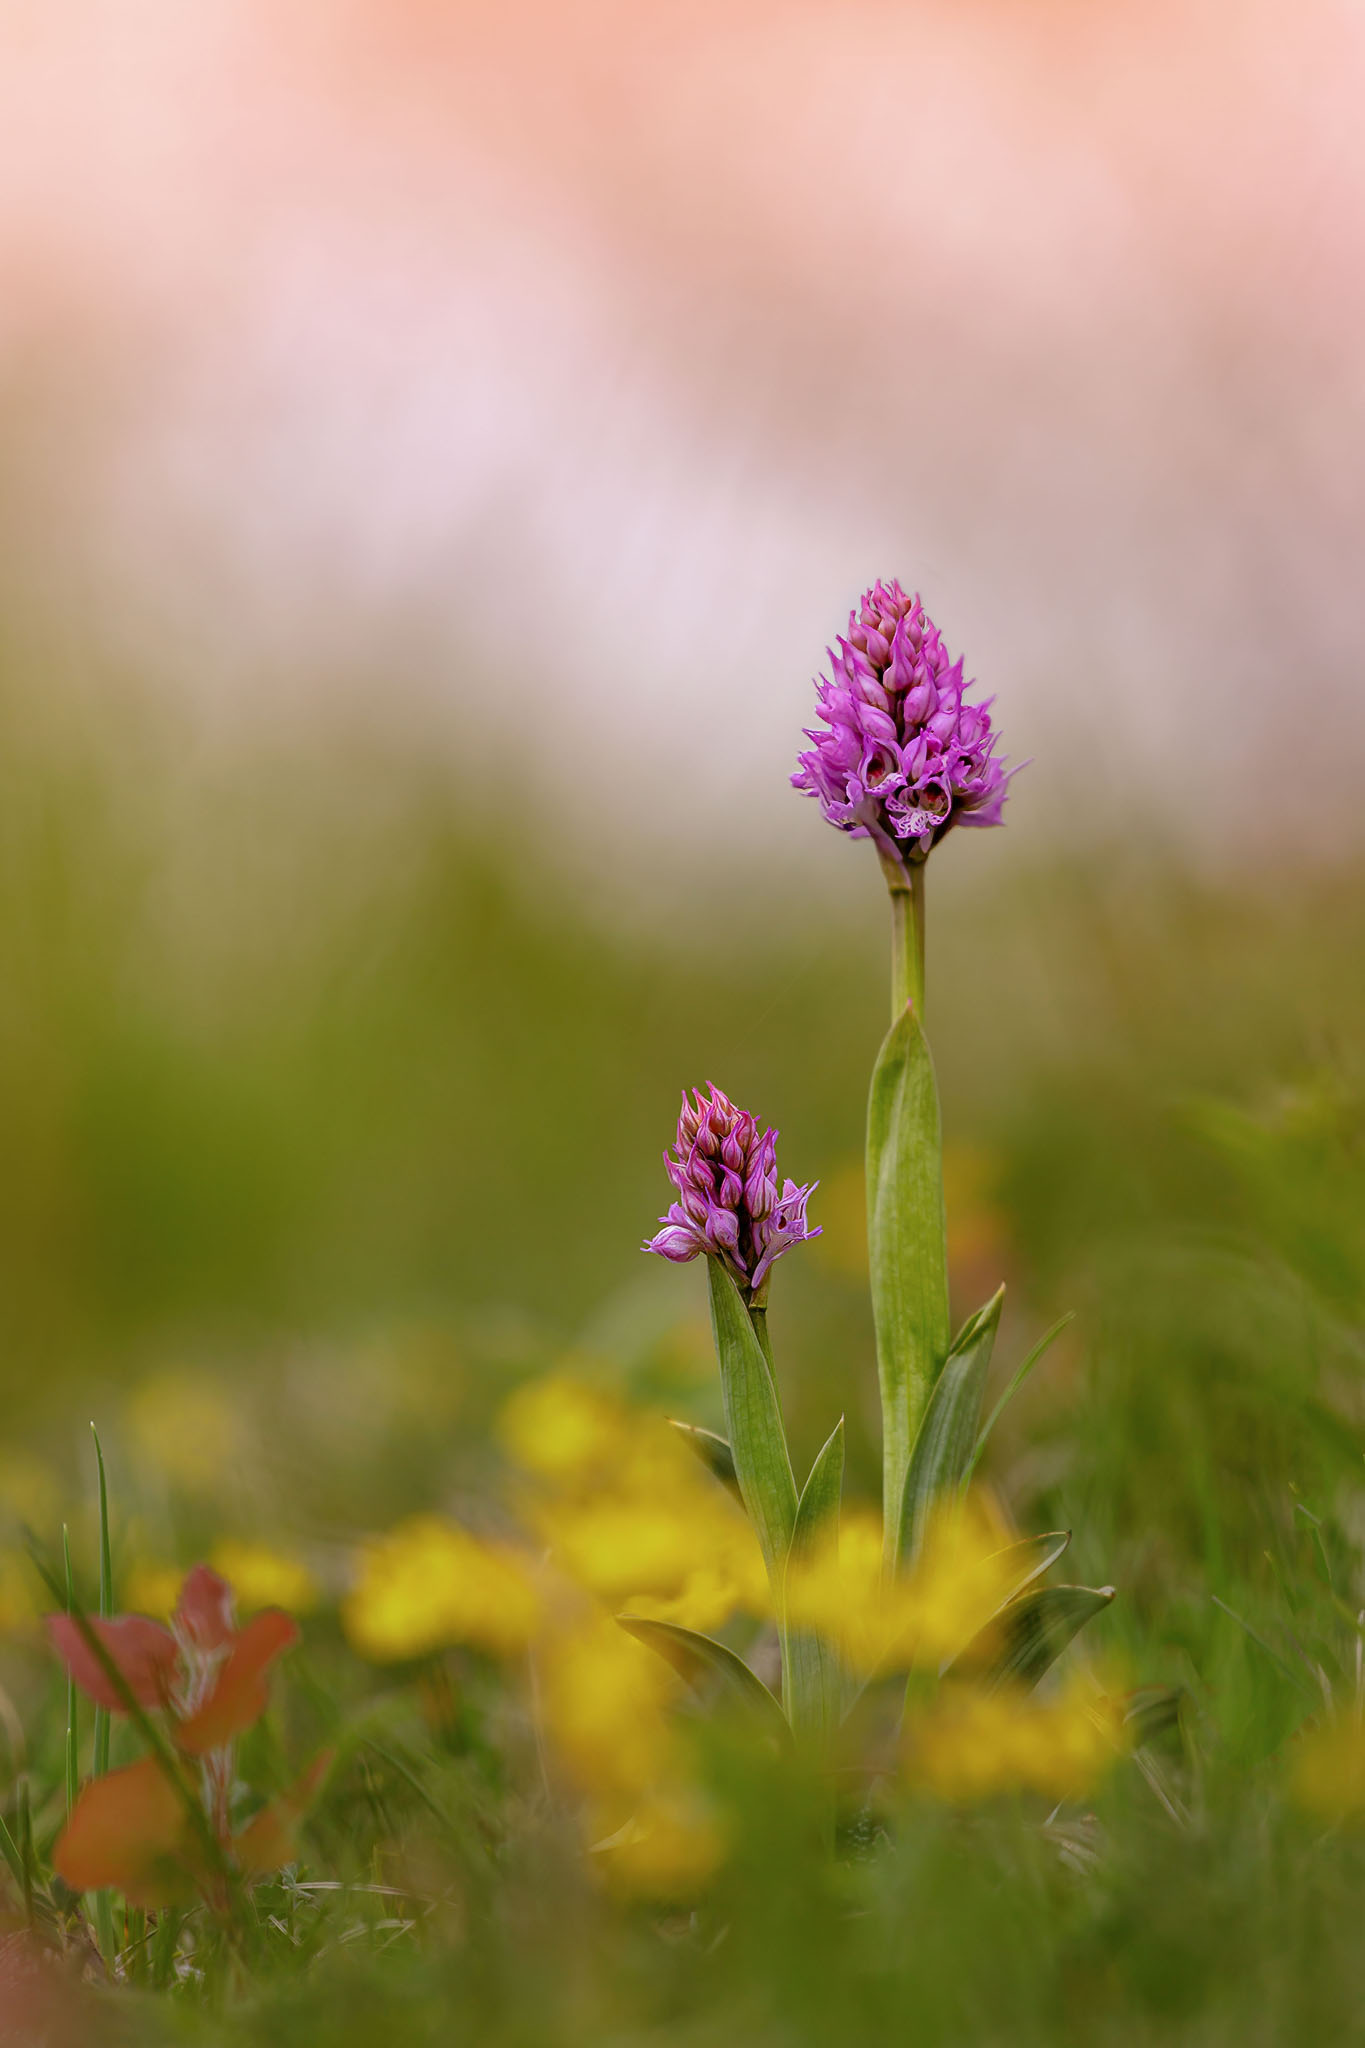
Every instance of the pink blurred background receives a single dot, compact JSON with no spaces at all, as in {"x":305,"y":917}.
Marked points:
{"x":551,"y":379}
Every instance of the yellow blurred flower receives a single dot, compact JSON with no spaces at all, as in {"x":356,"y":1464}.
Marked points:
{"x":20,"y":1604}
{"x":187,"y":1427}
{"x":429,"y":1583}
{"x":970,"y":1746}
{"x":259,"y":1577}
{"x":29,"y":1491}
{"x":709,"y":1594}
{"x":150,"y":1589}
{"x":923,"y":1617}
{"x":603,"y":1700}
{"x":671,"y":1844}
{"x":562,"y":1430}
{"x":1328,"y":1777}
{"x":262,"y":1577}
{"x":627,"y":1510}
{"x":604,"y":1703}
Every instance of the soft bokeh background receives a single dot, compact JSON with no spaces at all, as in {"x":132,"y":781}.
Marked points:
{"x":436,"y":443}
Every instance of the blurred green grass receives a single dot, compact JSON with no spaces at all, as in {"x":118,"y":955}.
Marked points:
{"x":298,"y":1047}
{"x":332,"y":1103}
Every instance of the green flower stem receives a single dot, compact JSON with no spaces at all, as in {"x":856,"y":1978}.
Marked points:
{"x":907,"y":937}
{"x":906,"y":1233}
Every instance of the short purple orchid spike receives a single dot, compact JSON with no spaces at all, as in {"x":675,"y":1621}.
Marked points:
{"x":724,"y":1167}
{"x":904,"y":759}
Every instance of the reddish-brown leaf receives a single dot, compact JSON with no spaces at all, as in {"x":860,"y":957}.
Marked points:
{"x":206,"y":1610}
{"x":126,"y":1830}
{"x":271,"y":1838}
{"x":240,"y":1695}
{"x":146,"y":1654}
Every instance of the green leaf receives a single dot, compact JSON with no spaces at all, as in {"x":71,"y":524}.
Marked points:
{"x":820,"y":1496}
{"x":907,"y":1247}
{"x":1027,"y":1560}
{"x":700,"y":1660}
{"x":762,"y":1465}
{"x":947,"y":1435}
{"x":714,"y":1452}
{"x":1045,"y":1343}
{"x":1020,"y":1564}
{"x":1025,"y":1639}
{"x":814,"y":1677}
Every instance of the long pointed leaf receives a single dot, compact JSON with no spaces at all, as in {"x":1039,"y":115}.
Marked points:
{"x":1027,"y":1560}
{"x":1019,"y":1565}
{"x":713,"y":1450}
{"x":813,"y":1669}
{"x":698,"y":1658}
{"x":1025,"y":1639}
{"x":1044,"y":1344}
{"x":907,"y":1247}
{"x":947,"y":1434}
{"x":762,"y":1465}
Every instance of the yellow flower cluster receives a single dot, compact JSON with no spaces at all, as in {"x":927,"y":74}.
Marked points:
{"x":605,"y":1707}
{"x":671,"y":1844}
{"x":20,"y":1603}
{"x":628,"y":1517}
{"x":604,"y":1701}
{"x":923,"y":1617}
{"x":188,"y":1428}
{"x":429,"y":1583}
{"x":260,"y":1576}
{"x":627,"y":1511}
{"x":631,"y":1518}
{"x":970,"y":1746}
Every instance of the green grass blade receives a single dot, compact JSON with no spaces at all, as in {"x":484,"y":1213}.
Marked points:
{"x":104,"y":1910}
{"x":942,"y":1456}
{"x":907,"y":1248}
{"x":106,"y":1601}
{"x":762,"y":1464}
{"x":27,"y":1859}
{"x":9,"y":1849}
{"x":1045,"y":1343}
{"x":700,"y":1661}
{"x":813,"y":1669}
{"x":72,"y":1698}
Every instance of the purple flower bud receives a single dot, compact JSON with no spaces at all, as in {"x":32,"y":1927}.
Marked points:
{"x":724,"y":1166}
{"x":901,"y":758}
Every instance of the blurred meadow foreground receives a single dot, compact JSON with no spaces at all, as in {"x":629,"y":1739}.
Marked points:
{"x":457,"y":1625}
{"x":333,"y":1131}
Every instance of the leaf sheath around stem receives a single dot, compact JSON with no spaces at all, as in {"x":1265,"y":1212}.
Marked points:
{"x":753,"y":1424}
{"x":907,"y":1249}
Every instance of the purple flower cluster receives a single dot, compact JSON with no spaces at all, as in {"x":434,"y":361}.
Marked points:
{"x":903,"y":759}
{"x":724,"y":1167}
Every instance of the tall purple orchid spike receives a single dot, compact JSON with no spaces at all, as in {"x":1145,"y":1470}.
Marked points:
{"x":724,"y":1167}
{"x":903,"y":758}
